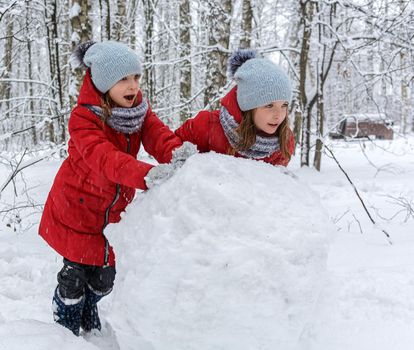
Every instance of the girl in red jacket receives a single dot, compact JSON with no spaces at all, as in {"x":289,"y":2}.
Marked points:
{"x":253,"y":119}
{"x":99,"y":177}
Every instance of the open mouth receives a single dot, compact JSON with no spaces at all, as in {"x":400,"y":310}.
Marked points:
{"x":129,"y":97}
{"x":273,"y":125}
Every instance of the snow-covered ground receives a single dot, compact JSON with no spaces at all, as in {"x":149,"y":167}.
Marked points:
{"x":234,"y":254}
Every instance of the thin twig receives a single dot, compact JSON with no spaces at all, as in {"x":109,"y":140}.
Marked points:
{"x":13,"y":173}
{"x":406,"y":204}
{"x":359,"y":224}
{"x":21,"y":207}
{"x":336,"y":220}
{"x":23,"y":166}
{"x":357,"y":193}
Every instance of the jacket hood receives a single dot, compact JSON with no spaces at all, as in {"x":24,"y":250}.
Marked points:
{"x":230,"y":102}
{"x":90,"y":95}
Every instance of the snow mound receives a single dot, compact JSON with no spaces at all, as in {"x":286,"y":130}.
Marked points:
{"x":227,"y":254}
{"x":36,"y":335}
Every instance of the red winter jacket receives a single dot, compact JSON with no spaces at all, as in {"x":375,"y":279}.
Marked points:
{"x":205,"y":131}
{"x":98,"y":179}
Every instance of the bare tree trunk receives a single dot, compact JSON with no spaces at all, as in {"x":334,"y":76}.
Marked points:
{"x":108,"y":19}
{"x":118,"y":31}
{"x":306,"y":18}
{"x":297,"y":124}
{"x":404,"y":85}
{"x":404,"y":98}
{"x":5,"y":86}
{"x":185,"y":65}
{"x":324,"y":65}
{"x":320,"y":125}
{"x":58,"y":76}
{"x":29,"y":85}
{"x":385,"y":47}
{"x":319,"y":99}
{"x":293,"y":40}
{"x":102,"y":21}
{"x":7,"y":63}
{"x":218,"y":40}
{"x":55,"y":44}
{"x":82,"y":32}
{"x":370,"y":58}
{"x":52,"y":71}
{"x":411,"y":104}
{"x":149,"y":79}
{"x":105,"y":20}
{"x":132,"y":24}
{"x":246,"y":24}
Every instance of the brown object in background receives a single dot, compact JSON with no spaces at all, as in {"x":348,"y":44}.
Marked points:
{"x":354,"y":127}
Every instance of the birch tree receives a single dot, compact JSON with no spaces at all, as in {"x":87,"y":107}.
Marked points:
{"x":328,"y":43}
{"x":218,"y":24}
{"x":5,"y":87}
{"x":105,"y":19}
{"x":343,"y":57}
{"x":307,"y":13}
{"x":185,"y":64}
{"x":120,"y":18}
{"x":29,"y":84}
{"x":81,"y":32}
{"x":132,"y":19}
{"x":148,"y":78}
{"x":246,"y":24}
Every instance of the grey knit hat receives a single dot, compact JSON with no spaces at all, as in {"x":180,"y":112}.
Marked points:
{"x":109,"y":61}
{"x":259,"y":80}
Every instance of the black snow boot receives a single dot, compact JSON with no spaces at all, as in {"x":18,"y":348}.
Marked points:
{"x":68,"y":312}
{"x":90,"y":317}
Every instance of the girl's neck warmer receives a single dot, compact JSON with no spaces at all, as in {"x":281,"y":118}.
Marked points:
{"x":125,"y":120}
{"x":262,"y":148}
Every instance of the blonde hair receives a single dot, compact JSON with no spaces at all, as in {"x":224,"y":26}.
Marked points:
{"x":106,"y":104}
{"x":247,"y":132}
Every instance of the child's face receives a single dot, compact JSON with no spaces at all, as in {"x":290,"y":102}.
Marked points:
{"x":268,"y":118}
{"x":123,"y":93}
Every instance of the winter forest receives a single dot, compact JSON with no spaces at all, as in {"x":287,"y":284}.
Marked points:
{"x":344,"y":57}
{"x":228,"y":253}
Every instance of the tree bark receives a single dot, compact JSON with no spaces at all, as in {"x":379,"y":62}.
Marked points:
{"x":61,"y":121}
{"x":185,"y":65}
{"x":293,"y":40}
{"x":50,"y":130}
{"x":219,"y":19}
{"x":306,"y":18}
{"x":132,"y":24}
{"x":81,"y":32}
{"x":118,"y":31}
{"x":246,"y":24}
{"x":5,"y":90}
{"x":404,"y":86}
{"x":148,"y":79}
{"x":29,"y":86}
{"x":324,"y":65}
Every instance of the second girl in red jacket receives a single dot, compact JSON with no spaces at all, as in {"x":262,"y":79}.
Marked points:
{"x":253,"y":119}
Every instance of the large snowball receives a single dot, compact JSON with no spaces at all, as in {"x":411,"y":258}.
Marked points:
{"x":227,"y":254}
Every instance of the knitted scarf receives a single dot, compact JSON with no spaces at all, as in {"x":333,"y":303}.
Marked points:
{"x":262,"y":148}
{"x":125,"y":120}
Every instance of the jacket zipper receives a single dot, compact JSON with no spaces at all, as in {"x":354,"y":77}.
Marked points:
{"x":106,"y":219}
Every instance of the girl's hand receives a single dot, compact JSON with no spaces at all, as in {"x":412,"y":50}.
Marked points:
{"x":162,"y":172}
{"x":182,"y":153}
{"x":159,"y":174}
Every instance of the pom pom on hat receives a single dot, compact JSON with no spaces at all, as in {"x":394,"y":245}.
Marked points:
{"x":237,"y":59}
{"x":76,"y":59}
